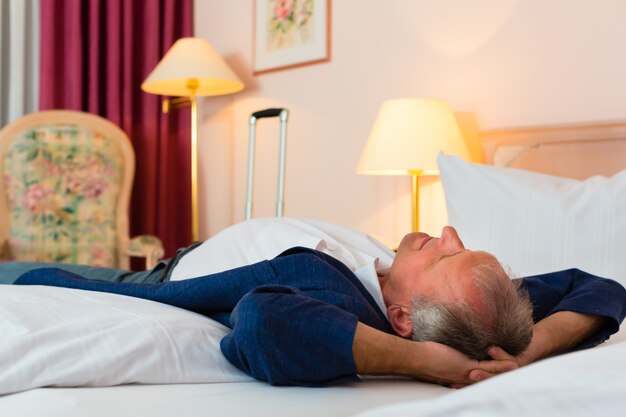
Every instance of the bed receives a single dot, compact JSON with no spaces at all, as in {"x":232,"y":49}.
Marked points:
{"x":489,"y":205}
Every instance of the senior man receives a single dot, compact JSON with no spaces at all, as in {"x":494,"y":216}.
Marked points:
{"x":304,"y":318}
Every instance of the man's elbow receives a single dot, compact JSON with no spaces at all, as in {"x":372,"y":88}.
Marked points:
{"x":283,"y":337}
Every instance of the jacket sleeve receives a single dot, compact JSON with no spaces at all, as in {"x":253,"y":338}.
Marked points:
{"x":283,"y":336}
{"x":580,"y":292}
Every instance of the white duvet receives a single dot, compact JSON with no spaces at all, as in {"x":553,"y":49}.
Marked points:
{"x":66,"y":338}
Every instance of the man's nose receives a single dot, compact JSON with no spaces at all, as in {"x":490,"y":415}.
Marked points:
{"x":450,"y":238}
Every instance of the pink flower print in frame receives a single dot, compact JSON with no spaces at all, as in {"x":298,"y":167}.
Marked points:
{"x":290,"y":33}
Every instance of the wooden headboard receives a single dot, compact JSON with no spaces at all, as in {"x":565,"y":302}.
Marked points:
{"x":574,"y":150}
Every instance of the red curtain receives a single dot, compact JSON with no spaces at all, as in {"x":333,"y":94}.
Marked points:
{"x":94,"y":56}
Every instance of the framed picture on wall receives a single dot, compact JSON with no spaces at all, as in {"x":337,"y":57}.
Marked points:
{"x":290,"y":33}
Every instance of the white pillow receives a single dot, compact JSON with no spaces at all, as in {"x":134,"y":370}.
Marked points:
{"x":64,"y":337}
{"x":538,"y":223}
{"x":262,"y":238}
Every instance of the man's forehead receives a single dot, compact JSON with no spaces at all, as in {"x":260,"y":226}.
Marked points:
{"x":457,"y":271}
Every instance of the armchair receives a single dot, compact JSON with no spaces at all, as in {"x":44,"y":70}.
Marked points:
{"x":65,"y":184}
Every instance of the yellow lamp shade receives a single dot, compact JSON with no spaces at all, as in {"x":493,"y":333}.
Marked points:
{"x":192,"y":64}
{"x":407,"y":136}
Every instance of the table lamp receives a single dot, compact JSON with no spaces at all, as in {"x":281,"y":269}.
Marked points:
{"x":405,"y":140}
{"x":191,"y":68}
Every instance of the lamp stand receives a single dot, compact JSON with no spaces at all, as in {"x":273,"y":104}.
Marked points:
{"x":194,"y":166}
{"x":415,"y":200}
{"x":192,"y":102}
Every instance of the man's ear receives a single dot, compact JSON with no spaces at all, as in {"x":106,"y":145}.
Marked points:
{"x":400,"y":320}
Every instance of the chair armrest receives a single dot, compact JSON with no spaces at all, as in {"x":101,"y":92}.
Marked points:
{"x":146,"y":246}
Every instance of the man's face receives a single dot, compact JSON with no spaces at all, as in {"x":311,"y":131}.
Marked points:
{"x":435,"y":268}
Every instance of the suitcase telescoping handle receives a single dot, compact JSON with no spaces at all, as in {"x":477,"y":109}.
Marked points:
{"x":283,"y":114}
{"x":268,"y":113}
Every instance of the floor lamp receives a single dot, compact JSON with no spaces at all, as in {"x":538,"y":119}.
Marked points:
{"x":405,"y":140}
{"x":189,"y":69}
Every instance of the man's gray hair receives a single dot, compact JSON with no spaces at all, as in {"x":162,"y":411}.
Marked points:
{"x":502,"y":318}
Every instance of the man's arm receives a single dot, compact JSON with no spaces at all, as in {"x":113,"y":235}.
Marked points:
{"x":376,"y":352}
{"x":285,"y":337}
{"x":602,"y":301}
{"x":560,"y":332}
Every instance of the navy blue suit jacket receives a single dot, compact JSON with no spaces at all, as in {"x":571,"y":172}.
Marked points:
{"x":293,"y":318}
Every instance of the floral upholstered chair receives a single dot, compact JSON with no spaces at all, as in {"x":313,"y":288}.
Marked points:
{"x":65,"y":184}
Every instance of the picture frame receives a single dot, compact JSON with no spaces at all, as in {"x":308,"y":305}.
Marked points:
{"x":290,"y":34}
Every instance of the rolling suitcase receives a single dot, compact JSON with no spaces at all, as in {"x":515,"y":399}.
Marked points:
{"x":283,"y":114}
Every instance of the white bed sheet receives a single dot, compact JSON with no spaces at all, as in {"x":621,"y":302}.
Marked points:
{"x":219,"y":399}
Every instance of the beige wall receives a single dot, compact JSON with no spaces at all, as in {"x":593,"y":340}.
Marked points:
{"x":498,"y":63}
